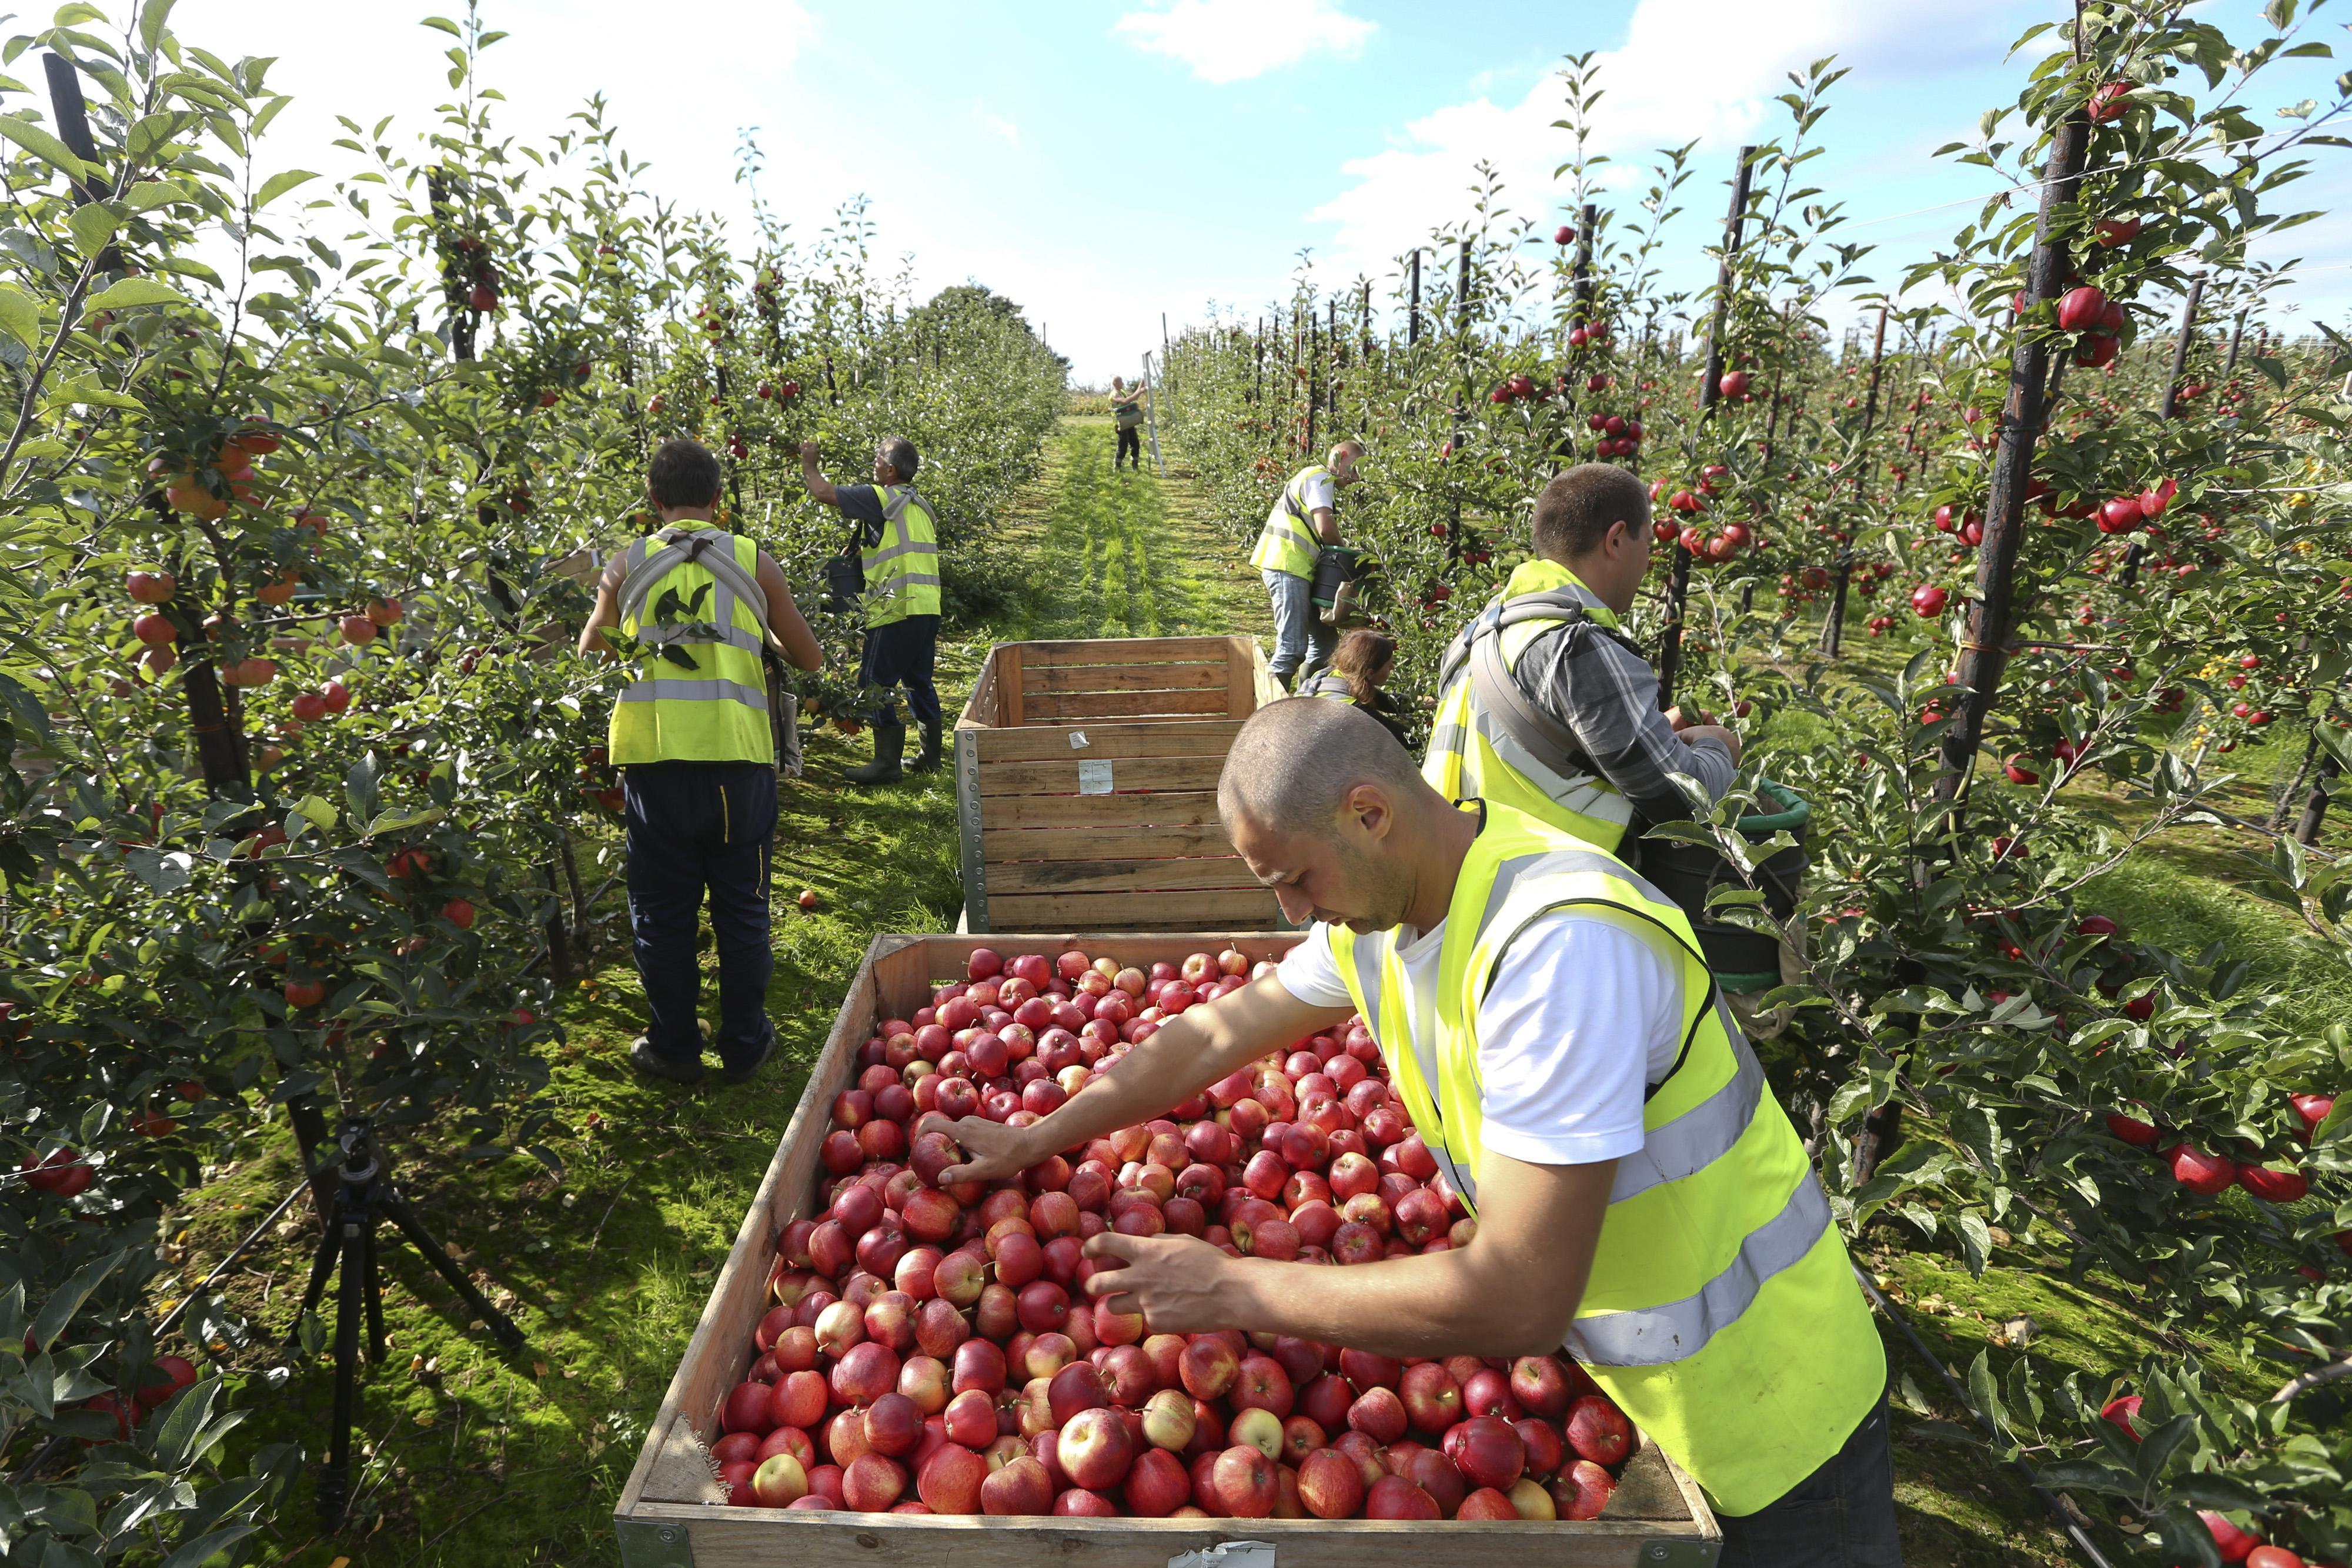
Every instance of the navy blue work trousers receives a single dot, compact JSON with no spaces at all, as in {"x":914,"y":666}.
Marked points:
{"x":697,"y":826}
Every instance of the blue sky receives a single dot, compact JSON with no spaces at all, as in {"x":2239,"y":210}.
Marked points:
{"x":1104,"y":163}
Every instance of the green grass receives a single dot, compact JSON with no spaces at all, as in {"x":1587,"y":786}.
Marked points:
{"x":477,"y":1456}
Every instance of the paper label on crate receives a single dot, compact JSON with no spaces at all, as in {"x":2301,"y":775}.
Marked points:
{"x":1078,"y":738}
{"x":1094,"y":777}
{"x":1228,"y":1554}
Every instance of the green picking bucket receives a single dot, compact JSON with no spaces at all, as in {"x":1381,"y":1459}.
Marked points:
{"x":1743,"y":961}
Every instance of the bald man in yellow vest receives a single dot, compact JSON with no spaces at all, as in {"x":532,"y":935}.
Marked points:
{"x":1549,"y":1023}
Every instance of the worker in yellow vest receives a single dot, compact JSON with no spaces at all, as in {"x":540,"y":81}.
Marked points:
{"x":898,"y":548}
{"x":1641,"y":1198}
{"x":695,"y":606}
{"x":1545,"y":704}
{"x":1305,"y":517}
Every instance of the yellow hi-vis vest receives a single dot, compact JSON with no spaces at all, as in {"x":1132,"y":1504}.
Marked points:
{"x":1287,"y":542}
{"x":1722,"y":1314}
{"x":902,"y":568}
{"x":714,"y":709}
{"x":1473,"y":755}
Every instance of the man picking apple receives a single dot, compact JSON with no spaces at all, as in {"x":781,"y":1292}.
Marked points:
{"x":1305,"y":518}
{"x":1549,"y":1022}
{"x":1546,"y":706}
{"x":1126,"y":414}
{"x":899,"y":547}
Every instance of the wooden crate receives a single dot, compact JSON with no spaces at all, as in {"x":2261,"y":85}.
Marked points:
{"x":670,"y":1515}
{"x":1086,"y":786}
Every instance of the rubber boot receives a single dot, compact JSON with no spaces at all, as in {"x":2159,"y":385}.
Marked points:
{"x":889,"y":746}
{"x":927,"y":758}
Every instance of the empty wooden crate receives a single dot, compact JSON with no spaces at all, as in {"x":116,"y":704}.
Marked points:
{"x":674,"y":1514}
{"x":1086,"y":786}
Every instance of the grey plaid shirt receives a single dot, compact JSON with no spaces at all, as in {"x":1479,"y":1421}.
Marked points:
{"x":1606,"y":695}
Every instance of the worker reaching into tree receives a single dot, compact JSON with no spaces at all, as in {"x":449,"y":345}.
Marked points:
{"x":1546,"y":1016}
{"x":692,"y":738}
{"x":897,"y":537}
{"x":1127,"y":415}
{"x":1305,"y":518}
{"x":1545,"y":704}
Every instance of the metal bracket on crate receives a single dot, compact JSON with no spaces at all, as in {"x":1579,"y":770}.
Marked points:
{"x":645,"y":1544}
{"x":968,"y":827}
{"x":1683,"y":1553}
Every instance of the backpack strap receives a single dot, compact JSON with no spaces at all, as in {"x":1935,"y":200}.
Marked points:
{"x":712,"y":550}
{"x":1498,"y":689}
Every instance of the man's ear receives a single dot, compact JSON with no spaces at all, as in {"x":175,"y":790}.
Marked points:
{"x":1369,"y":806}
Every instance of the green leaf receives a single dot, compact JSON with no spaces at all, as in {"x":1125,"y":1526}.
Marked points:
{"x":2272,"y":370}
{"x":67,"y":1298}
{"x":151,"y":17}
{"x":444,"y":25}
{"x":92,"y":226}
{"x":42,"y":145}
{"x":1984,"y":1394}
{"x":2155,"y":1450}
{"x":320,"y":810}
{"x":134,"y":291}
{"x":20,"y":317}
{"x":194,"y":1554}
{"x":278,"y":184}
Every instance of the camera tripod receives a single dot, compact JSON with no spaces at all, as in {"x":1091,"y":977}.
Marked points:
{"x":363,"y":1193}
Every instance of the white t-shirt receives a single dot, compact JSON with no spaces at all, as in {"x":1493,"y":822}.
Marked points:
{"x":1582,"y":1017}
{"x":1316,"y":492}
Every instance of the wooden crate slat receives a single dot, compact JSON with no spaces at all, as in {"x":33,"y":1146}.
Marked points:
{"x":1190,"y":911}
{"x":1165,"y":737}
{"x":1106,"y":844}
{"x":1153,"y":773}
{"x":1051,"y":707}
{"x":1127,"y":650}
{"x":1189,"y":872}
{"x":1175,"y":808}
{"x":1124,"y":677}
{"x":772,"y":1538}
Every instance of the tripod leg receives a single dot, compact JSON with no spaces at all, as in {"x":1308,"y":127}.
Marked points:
{"x":502,"y":1326}
{"x":374,"y":1296}
{"x":335,"y":1475}
{"x":323,"y":1264}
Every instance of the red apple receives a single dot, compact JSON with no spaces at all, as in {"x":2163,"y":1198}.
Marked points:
{"x":1245,"y":1482}
{"x":871,"y":1483}
{"x":746,"y":1410}
{"x":1076,"y":1387}
{"x":1486,"y":1503}
{"x":1599,"y":1431}
{"x":1379,"y":1413}
{"x":1021,"y":1488}
{"x":1393,"y":1496}
{"x":950,"y":1481}
{"x":1261,"y":1384}
{"x":1330,"y":1486}
{"x":1583,"y":1491}
{"x":1158,"y":1484}
{"x":1208,"y":1367}
{"x":1095,"y":1448}
{"x":1491,"y":1454}
{"x":1433,"y":1400}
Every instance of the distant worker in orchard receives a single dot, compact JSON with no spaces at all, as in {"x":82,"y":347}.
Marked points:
{"x":899,"y":547}
{"x":692,"y":738}
{"x":1360,"y":670}
{"x":1305,"y":518}
{"x":1127,"y":415}
{"x":1546,"y":706}
{"x":1547,"y":1018}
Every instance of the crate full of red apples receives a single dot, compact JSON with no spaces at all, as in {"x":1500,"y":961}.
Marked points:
{"x":890,"y":1370}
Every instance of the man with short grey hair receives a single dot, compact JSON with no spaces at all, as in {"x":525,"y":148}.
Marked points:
{"x":1550,"y":1024}
{"x":897,"y":537}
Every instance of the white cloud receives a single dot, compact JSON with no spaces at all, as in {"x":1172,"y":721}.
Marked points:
{"x":1003,"y":127}
{"x":1688,"y":68}
{"x":1232,"y":40}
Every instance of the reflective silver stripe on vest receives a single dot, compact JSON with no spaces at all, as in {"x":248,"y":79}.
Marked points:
{"x":1655,"y":1336}
{"x":891,"y":584}
{"x":1370,"y":955}
{"x":1699,"y":1136}
{"x":1587,"y":794}
{"x":665,"y":689}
